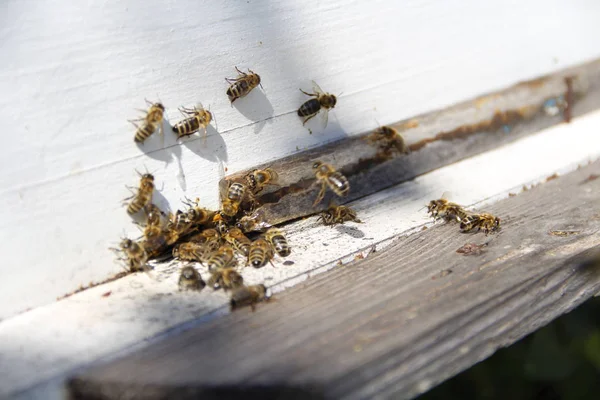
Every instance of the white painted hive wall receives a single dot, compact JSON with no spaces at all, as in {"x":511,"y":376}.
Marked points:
{"x":73,"y":73}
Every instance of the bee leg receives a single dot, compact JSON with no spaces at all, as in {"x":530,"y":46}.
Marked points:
{"x":240,"y":72}
{"x":309,"y":94}
{"x":308,"y":118}
{"x":320,"y":195}
{"x":204,"y":136}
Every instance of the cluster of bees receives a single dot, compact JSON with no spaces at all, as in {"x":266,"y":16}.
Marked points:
{"x":449,"y":211}
{"x":198,"y":117}
{"x":223,"y":239}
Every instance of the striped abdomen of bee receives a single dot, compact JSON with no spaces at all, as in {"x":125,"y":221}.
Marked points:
{"x":143,"y":195}
{"x":238,"y":240}
{"x":338,"y":183}
{"x":309,"y":108}
{"x":222,"y":258}
{"x":278,"y":241}
{"x":187,"y":127}
{"x":242,"y":85}
{"x":151,"y":122}
{"x":261,"y":252}
{"x":190,"y":251}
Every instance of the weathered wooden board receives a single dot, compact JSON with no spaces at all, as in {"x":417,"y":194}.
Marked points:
{"x":396,"y":323}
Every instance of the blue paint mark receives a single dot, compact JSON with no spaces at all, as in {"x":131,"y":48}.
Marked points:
{"x":550,"y":103}
{"x":506,"y":128}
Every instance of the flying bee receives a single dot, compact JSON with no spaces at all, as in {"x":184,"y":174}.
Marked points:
{"x":238,"y":240}
{"x":338,"y":215}
{"x":195,"y":118}
{"x":248,"y":296}
{"x":259,"y":178}
{"x":143,"y":196}
{"x":320,"y":100}
{"x":222,"y":258}
{"x":328,"y":176}
{"x":232,"y":198}
{"x":484,"y":221}
{"x":151,"y":122}
{"x":442,"y":208}
{"x":275,"y":237}
{"x":242,"y":85}
{"x":260,"y":253}
{"x":190,"y":279}
{"x":135,"y":255}
{"x":153,"y":215}
{"x":226,"y":278}
{"x":388,"y":139}
{"x":190,"y":251}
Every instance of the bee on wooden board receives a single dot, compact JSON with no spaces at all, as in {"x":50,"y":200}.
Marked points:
{"x":195,"y":119}
{"x":152,"y":121}
{"x":388,"y":139}
{"x":328,"y":176}
{"x":190,"y":279}
{"x":259,"y":178}
{"x":222,"y":258}
{"x":442,"y":208}
{"x":242,"y":85}
{"x":226,"y":278}
{"x":190,"y":251}
{"x":278,"y":241}
{"x":252,"y":222}
{"x":261,"y":252}
{"x":135,"y":255}
{"x":320,"y":101}
{"x":143,"y":196}
{"x":484,"y":221}
{"x":248,"y":296}
{"x":238,"y":240}
{"x":338,"y":215}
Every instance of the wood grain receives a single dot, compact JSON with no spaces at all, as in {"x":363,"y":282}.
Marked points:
{"x":393,"y":324}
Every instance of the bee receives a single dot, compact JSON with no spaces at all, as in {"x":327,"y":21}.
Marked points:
{"x":226,"y":278}
{"x":279,"y":243}
{"x":190,"y":251}
{"x":179,"y":223}
{"x":259,"y":178}
{"x":211,"y":238}
{"x":197,"y":215}
{"x":195,"y":118}
{"x":252,"y":222}
{"x":135,"y":255}
{"x":389,"y":139}
{"x":220,"y":224}
{"x":153,"y":215}
{"x":143,"y":195}
{"x":442,"y":208}
{"x":238,"y":240}
{"x":150,"y":122}
{"x":321,"y":100}
{"x":222,"y":258}
{"x":484,"y":221}
{"x":328,"y":176}
{"x":190,"y":279}
{"x":248,"y":296}
{"x":338,"y":215}
{"x":234,"y":195}
{"x":242,"y":85}
{"x":260,"y":253}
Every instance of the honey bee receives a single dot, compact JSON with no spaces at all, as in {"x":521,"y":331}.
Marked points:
{"x":196,"y":118}
{"x":197,"y":215}
{"x":338,"y":215}
{"x":143,"y":195}
{"x":150,"y":122}
{"x":275,"y":237}
{"x":242,"y":85}
{"x":261,"y":252}
{"x":443,"y":208}
{"x":252,"y":222}
{"x":219,"y":222}
{"x":190,"y":279}
{"x":226,"y":278}
{"x":153,"y":215}
{"x":328,"y":176}
{"x":135,"y":255}
{"x":190,"y":251}
{"x":234,"y":195}
{"x":210,"y":238}
{"x":238,"y":240}
{"x":484,"y":221}
{"x":222,"y":258}
{"x":388,"y":138}
{"x":248,"y":296}
{"x":321,"y":100}
{"x":259,"y":178}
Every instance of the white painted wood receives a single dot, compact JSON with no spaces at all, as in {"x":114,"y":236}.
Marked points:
{"x":35,"y":347}
{"x":73,"y":73}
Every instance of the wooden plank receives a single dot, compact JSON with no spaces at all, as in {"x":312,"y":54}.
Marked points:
{"x":396,"y":323}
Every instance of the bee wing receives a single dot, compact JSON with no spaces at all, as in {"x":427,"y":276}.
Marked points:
{"x":447,"y":195}
{"x":316,"y":88}
{"x":325,"y":118}
{"x":223,"y":183}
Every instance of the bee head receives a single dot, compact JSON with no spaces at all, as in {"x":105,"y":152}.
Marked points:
{"x":160,"y":106}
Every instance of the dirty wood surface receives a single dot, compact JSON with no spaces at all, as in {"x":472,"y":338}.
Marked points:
{"x":393,"y":324}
